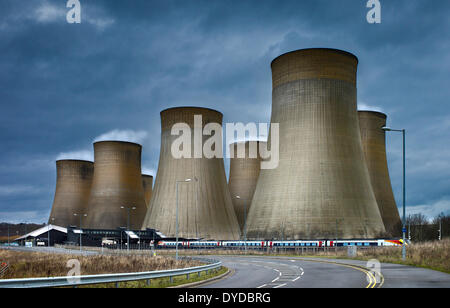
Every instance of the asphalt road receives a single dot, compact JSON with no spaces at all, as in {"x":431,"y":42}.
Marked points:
{"x":292,"y":272}
{"x":280,"y":272}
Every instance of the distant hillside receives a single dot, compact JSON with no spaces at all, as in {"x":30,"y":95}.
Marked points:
{"x":16,"y":230}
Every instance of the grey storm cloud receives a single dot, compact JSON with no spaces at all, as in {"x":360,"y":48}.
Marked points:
{"x":62,"y":85}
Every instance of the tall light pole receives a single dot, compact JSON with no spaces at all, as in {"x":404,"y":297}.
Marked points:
{"x":48,"y":231}
{"x":440,"y":228}
{"x":196,"y":206}
{"x":176,"y":224}
{"x":245,"y":224}
{"x":403,"y":131}
{"x":128,"y":224}
{"x":81,"y":217}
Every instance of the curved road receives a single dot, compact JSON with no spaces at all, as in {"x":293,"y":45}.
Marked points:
{"x":285,"y":272}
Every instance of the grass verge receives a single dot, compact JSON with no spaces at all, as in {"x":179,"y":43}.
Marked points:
{"x":163,"y":282}
{"x":39,"y":264}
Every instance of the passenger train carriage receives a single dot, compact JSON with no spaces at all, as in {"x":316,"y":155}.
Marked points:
{"x":280,"y":244}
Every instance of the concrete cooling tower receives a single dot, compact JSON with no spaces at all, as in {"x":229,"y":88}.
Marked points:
{"x":117,"y":182}
{"x":73,"y":186}
{"x":373,"y":139}
{"x":147,"y":183}
{"x":321,"y":187}
{"x":205,"y":206}
{"x":244,"y":173}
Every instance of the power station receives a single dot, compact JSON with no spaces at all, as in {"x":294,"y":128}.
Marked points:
{"x":193,"y":189}
{"x":373,"y":139}
{"x":73,"y":187}
{"x":244,"y":173}
{"x":117,"y":194}
{"x":321,"y":188}
{"x":331,"y":181}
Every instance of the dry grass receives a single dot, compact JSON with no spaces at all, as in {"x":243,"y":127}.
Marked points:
{"x":433,"y":255}
{"x":37,"y":264}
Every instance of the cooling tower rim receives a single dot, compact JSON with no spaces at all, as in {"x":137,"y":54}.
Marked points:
{"x":74,"y":160}
{"x":377,"y":113}
{"x":248,"y":141}
{"x":319,"y":48}
{"x":190,"y":107}
{"x":118,"y":142}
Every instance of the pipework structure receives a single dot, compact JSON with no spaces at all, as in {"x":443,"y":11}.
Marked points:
{"x":321,"y":188}
{"x":205,"y":206}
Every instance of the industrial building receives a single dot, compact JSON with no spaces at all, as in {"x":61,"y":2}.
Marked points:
{"x":73,"y":187}
{"x":43,"y":236}
{"x":321,"y":188}
{"x":373,"y":139}
{"x":197,"y":187}
{"x":117,"y":195}
{"x":114,"y":239}
{"x":244,"y":173}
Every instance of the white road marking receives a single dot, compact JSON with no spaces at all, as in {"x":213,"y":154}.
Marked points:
{"x":279,"y":286}
{"x":262,"y":286}
{"x":296,"y":278}
{"x":275,"y":279}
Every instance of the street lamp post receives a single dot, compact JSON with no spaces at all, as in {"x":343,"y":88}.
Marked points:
{"x":48,"y":231}
{"x":196,"y":187}
{"x":176,"y":225}
{"x":128,"y":224}
{"x":403,"y":131}
{"x":245,"y":224}
{"x":81,"y":216}
{"x":196,"y":206}
{"x":440,"y":228}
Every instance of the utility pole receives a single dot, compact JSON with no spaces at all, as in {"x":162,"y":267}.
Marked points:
{"x":128,"y":224}
{"x":48,"y":230}
{"x":409,"y":230}
{"x":176,"y":225}
{"x":80,"y":216}
{"x":403,"y":131}
{"x":245,"y":224}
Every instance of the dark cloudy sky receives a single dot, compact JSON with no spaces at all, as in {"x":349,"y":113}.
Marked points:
{"x":62,"y":85}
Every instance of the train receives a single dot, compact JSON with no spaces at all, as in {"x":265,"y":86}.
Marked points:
{"x":163,"y":244}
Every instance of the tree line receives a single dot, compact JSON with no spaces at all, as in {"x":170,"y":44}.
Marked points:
{"x":420,"y":228}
